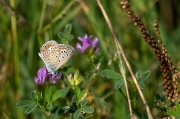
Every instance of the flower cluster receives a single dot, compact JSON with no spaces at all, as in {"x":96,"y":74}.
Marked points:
{"x":43,"y":75}
{"x":87,"y":43}
{"x":76,"y":80}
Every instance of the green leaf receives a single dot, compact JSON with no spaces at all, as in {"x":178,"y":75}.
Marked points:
{"x":77,"y":113}
{"x":81,"y":94}
{"x":49,"y":106}
{"x":138,"y":75}
{"x":63,"y":110}
{"x":142,"y":85}
{"x":55,"y":109}
{"x":70,"y":37}
{"x":118,"y":84}
{"x":74,"y":106}
{"x":47,"y":93}
{"x":68,"y":29}
{"x":73,"y":99}
{"x":178,"y":107}
{"x":172,"y":113}
{"x":24,"y":103}
{"x":84,"y":102}
{"x":78,"y":91}
{"x":88,"y":109}
{"x":30,"y":108}
{"x":146,"y":75}
{"x":57,"y":94}
{"x":34,"y":95}
{"x":110,"y":74}
{"x":61,"y":35}
{"x":66,"y":90}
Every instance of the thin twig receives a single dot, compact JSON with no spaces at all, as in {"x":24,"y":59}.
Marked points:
{"x":118,"y":46}
{"x":116,"y":42}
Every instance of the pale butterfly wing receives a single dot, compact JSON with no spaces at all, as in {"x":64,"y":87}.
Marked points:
{"x":65,"y":53}
{"x":48,"y":45}
{"x":46,"y":53}
{"x":54,"y":55}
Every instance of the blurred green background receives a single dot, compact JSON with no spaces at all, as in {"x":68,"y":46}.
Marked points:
{"x":26,"y":25}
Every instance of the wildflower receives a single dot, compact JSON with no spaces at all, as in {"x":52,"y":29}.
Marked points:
{"x":95,"y":44}
{"x":87,"y":43}
{"x":41,"y":76}
{"x":54,"y":78}
{"x":76,"y":80}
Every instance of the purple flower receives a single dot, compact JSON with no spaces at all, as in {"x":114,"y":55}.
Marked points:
{"x":87,"y":43}
{"x":95,"y":44}
{"x":41,"y":76}
{"x":54,"y":78}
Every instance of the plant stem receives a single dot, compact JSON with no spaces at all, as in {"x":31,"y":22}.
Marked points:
{"x":44,"y":114}
{"x":119,"y":48}
{"x":60,"y":15}
{"x":16,"y":55}
{"x":92,"y":65}
{"x":75,"y":91}
{"x":15,"y":45}
{"x":41,"y":20}
{"x":124,"y":96}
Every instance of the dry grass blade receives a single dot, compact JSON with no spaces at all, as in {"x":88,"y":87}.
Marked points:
{"x":119,"y":48}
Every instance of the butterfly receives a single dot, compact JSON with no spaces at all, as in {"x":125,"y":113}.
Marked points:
{"x":55,"y":55}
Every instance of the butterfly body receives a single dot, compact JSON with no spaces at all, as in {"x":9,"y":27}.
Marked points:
{"x":54,"y":55}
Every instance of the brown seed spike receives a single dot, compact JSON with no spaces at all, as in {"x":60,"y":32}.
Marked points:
{"x":156,"y":25}
{"x":172,"y":100}
{"x":157,"y":33}
{"x":124,"y":6}
{"x":126,"y":2}
{"x":122,"y":2}
{"x":135,"y":23}
{"x":160,"y":41}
